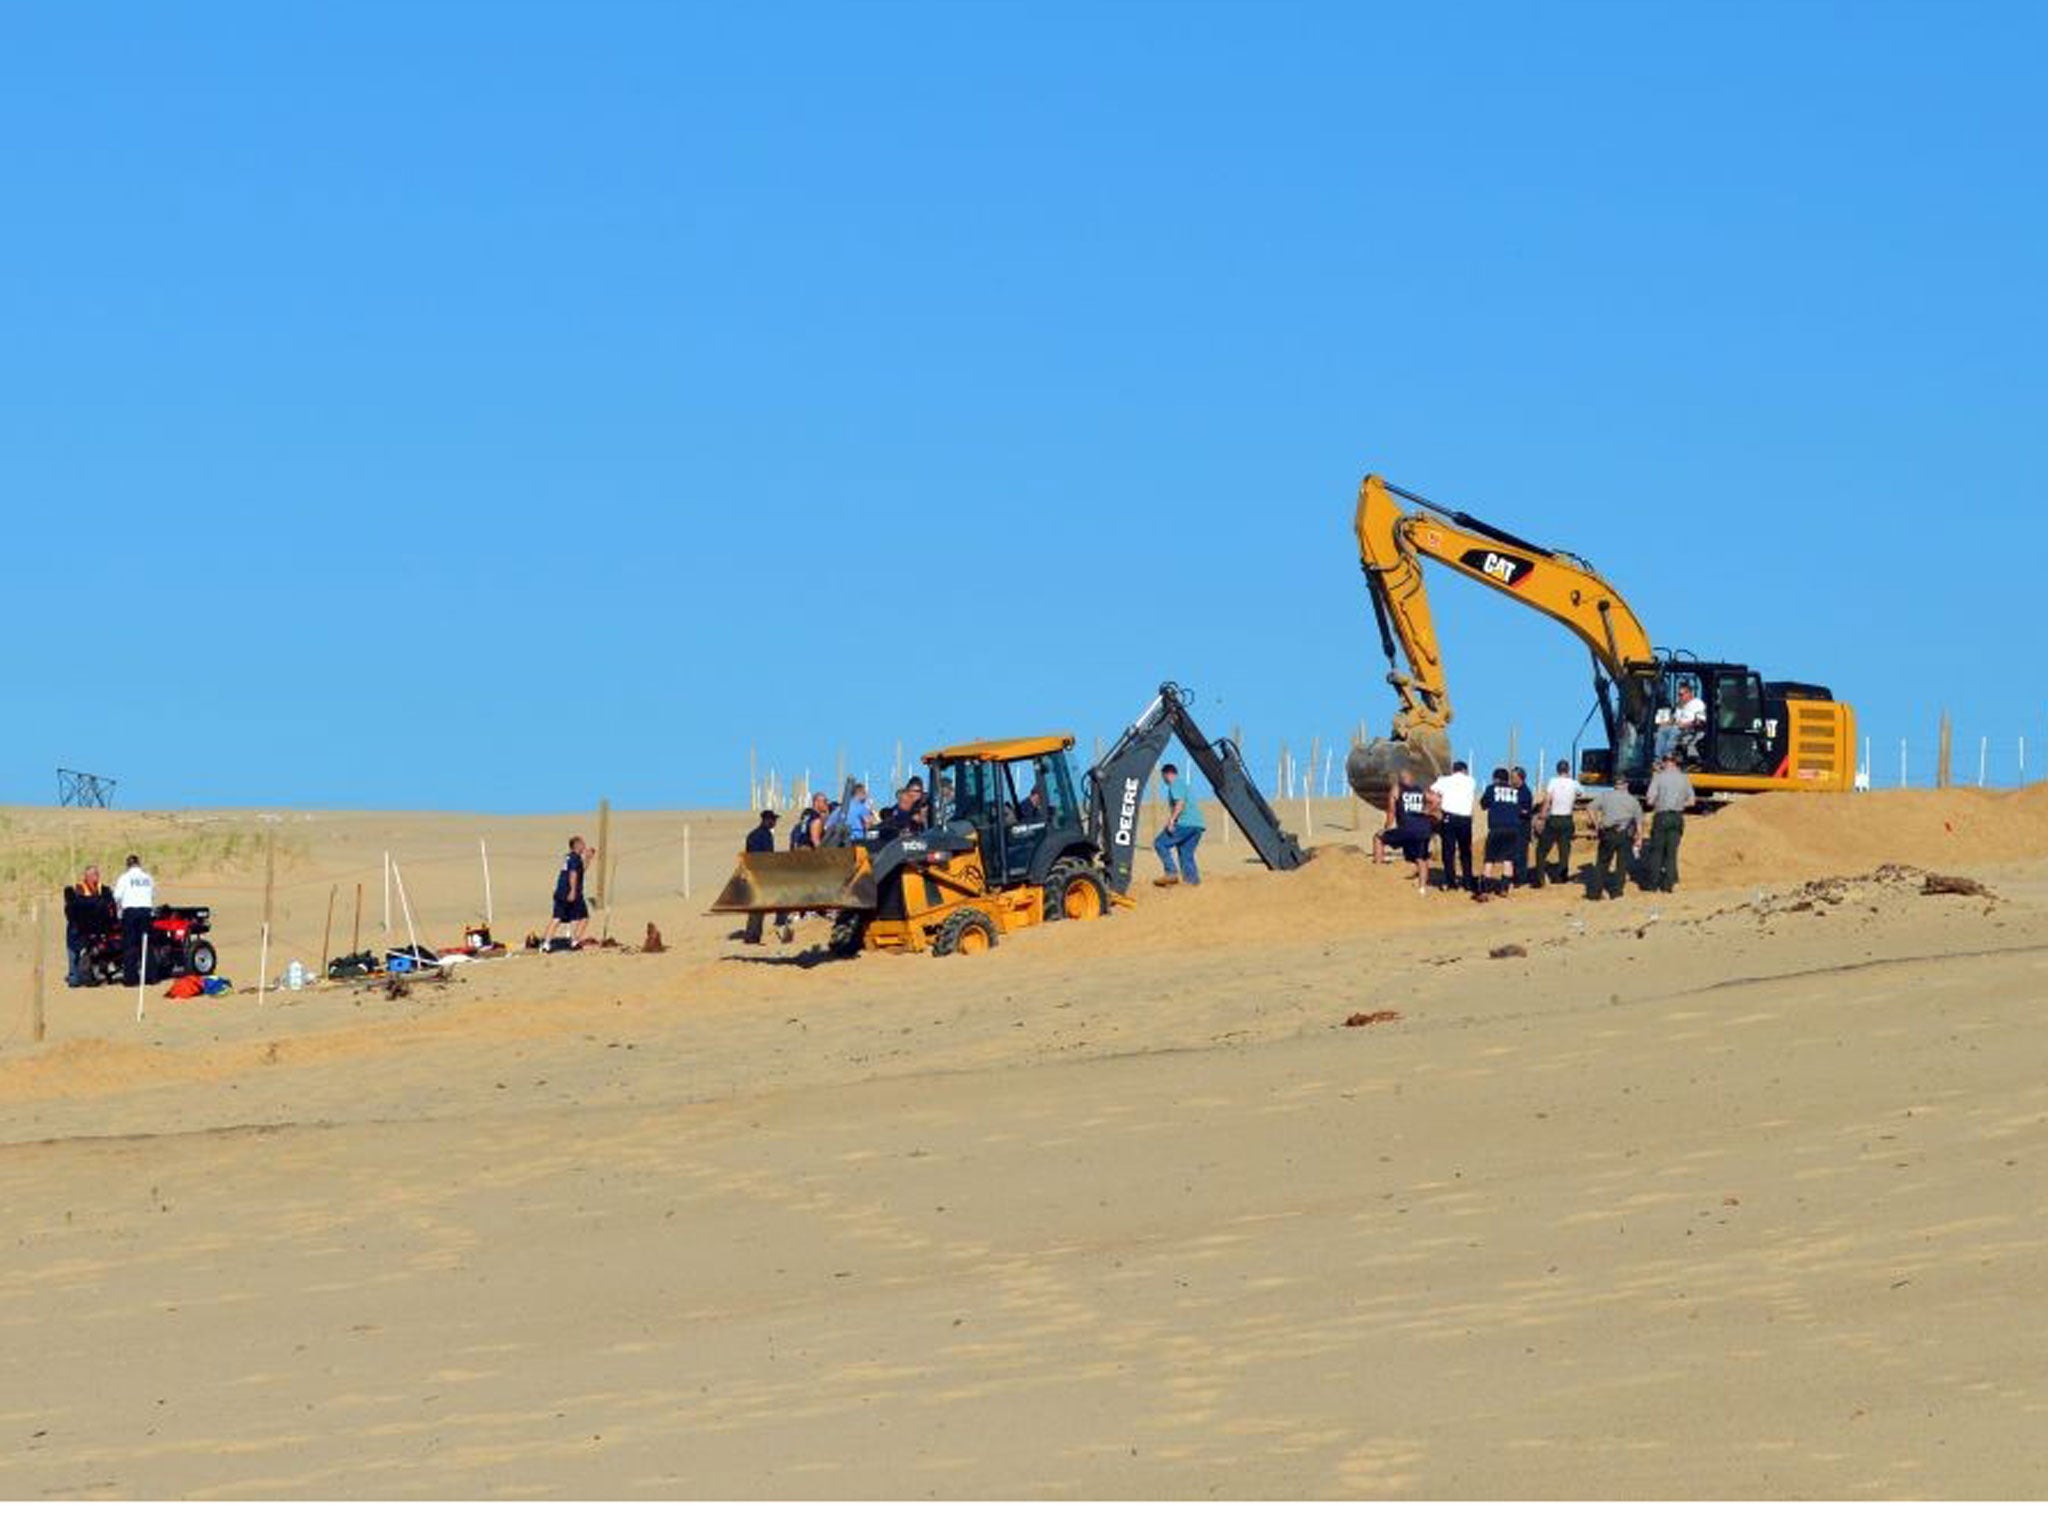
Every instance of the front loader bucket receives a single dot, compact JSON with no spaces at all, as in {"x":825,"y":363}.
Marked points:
{"x":1373,"y":767}
{"x":800,"y":880}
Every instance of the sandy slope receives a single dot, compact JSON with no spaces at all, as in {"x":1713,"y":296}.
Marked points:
{"x":1708,"y":1195}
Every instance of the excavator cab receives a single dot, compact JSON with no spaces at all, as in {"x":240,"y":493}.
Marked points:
{"x":1753,"y":734}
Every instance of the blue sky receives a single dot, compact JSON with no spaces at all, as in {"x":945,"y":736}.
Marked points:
{"x":499,"y":406}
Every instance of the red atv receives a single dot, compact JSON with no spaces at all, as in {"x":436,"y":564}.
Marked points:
{"x":177,"y":947}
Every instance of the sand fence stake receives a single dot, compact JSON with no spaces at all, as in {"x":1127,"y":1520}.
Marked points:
{"x":269,"y":875}
{"x":327,"y":933}
{"x":39,"y":1027}
{"x":604,"y":848}
{"x":1944,"y":754}
{"x":355,"y":936}
{"x":263,"y":966}
{"x":1983,"y":758}
{"x":142,"y":977}
{"x":483,"y":850}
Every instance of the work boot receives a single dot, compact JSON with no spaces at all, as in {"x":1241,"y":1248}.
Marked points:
{"x":1166,"y":880}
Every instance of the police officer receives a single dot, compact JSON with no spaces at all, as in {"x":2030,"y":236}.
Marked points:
{"x":1669,"y":796}
{"x":135,"y":896}
{"x":1619,"y":820}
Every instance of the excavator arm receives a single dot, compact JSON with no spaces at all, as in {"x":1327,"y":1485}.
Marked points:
{"x":1396,"y":531}
{"x":1115,"y":786}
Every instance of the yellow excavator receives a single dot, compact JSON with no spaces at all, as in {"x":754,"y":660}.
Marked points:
{"x":1742,"y":735}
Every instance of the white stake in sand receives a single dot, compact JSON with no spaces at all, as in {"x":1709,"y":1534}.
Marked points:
{"x":263,"y":966}
{"x":142,"y":977}
{"x":484,"y":852}
{"x":405,"y":907}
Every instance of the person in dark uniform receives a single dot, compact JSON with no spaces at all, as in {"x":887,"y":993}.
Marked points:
{"x":88,"y":913}
{"x":1408,"y":826}
{"x":762,"y":840}
{"x":572,"y":905}
{"x":1527,"y":829}
{"x":1503,"y":832}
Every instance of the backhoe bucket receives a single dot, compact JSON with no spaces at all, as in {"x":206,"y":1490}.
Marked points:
{"x":1373,"y":768}
{"x":800,"y":880}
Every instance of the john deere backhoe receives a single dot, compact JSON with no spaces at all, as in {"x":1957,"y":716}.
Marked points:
{"x":1014,"y":841}
{"x":1756,"y":735}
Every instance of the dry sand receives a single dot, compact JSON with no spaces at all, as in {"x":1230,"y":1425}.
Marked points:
{"x":1732,"y":1193}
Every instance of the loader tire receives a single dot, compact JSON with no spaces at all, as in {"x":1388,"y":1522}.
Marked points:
{"x":1075,"y":891}
{"x":849,"y":933}
{"x":966,"y":932}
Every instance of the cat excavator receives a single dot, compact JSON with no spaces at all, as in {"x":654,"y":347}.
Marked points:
{"x":1754,"y":735}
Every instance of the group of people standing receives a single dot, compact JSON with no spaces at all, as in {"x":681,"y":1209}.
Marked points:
{"x":93,"y":912}
{"x":1444,"y":813}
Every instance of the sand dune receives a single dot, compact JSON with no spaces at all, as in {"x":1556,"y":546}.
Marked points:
{"x":1736,"y":1192}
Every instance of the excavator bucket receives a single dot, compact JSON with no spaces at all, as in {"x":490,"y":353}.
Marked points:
{"x":800,"y":880}
{"x":1373,"y":767}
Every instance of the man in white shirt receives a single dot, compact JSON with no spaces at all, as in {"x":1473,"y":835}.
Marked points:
{"x":1457,"y":796}
{"x":1682,"y":734}
{"x":135,"y":900}
{"x":1554,"y":830}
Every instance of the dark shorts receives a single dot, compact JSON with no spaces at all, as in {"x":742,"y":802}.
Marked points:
{"x":571,"y":911}
{"x":1501,"y":844}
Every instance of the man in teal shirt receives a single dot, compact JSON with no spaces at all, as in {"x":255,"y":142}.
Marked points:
{"x":1183,"y":830}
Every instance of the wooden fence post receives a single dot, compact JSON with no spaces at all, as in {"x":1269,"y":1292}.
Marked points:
{"x":40,"y":1027}
{"x":1942,"y":755}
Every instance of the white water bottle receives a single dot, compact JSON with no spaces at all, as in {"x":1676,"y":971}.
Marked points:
{"x":294,"y":976}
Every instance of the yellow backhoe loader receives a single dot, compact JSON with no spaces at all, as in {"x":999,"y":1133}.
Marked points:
{"x":1013,"y":841}
{"x":1743,"y":734}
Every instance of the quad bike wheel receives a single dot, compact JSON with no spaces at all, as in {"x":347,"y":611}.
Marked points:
{"x":203,"y":958}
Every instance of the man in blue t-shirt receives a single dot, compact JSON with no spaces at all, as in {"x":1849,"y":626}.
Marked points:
{"x":1182,"y":832}
{"x":572,"y":906}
